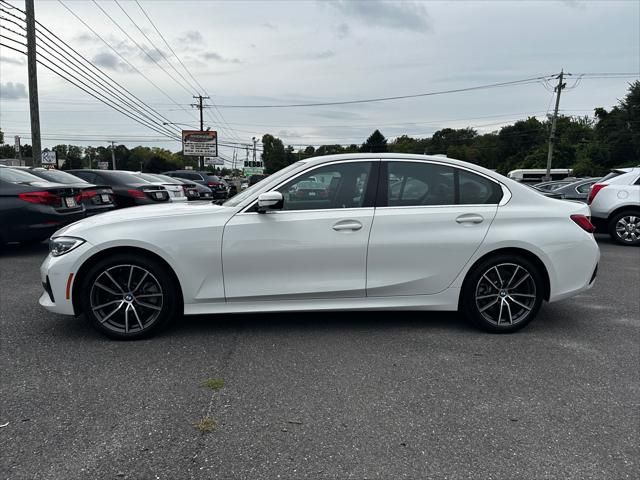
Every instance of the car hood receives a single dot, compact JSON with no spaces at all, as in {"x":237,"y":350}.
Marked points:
{"x":145,"y":214}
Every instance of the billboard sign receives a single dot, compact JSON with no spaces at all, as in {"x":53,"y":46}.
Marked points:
{"x":196,"y":143}
{"x":210,"y":161}
{"x":248,"y":171}
{"x":48,"y":157}
{"x":103,"y":165}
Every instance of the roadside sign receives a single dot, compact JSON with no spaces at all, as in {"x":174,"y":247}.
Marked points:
{"x":17,"y":144}
{"x":48,"y":157}
{"x":248,"y":171}
{"x":210,"y":161}
{"x":103,"y":165}
{"x":197,"y":143}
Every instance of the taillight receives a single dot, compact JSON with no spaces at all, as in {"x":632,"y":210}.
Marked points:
{"x":584,"y":223}
{"x":136,"y":193}
{"x":87,"y":194}
{"x":43,"y":198}
{"x":595,"y":188}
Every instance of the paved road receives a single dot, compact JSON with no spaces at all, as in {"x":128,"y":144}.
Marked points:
{"x":399,"y":395}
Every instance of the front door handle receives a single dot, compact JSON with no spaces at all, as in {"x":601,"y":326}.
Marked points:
{"x":470,"y":218}
{"x":352,"y":225}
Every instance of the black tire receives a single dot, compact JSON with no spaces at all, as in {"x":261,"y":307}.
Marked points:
{"x":159,"y":297}
{"x":631,"y":227}
{"x":480,"y":289}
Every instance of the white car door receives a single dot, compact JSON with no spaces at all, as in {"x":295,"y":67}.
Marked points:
{"x":430,"y":219}
{"x":314,"y":247}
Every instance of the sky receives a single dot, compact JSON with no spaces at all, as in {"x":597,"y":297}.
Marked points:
{"x":276,"y":53}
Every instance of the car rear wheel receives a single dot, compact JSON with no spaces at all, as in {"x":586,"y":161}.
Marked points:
{"x":624,"y":228}
{"x":129,"y":297}
{"x":502,"y":294}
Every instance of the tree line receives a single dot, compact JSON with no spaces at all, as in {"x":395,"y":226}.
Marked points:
{"x":589,"y":145}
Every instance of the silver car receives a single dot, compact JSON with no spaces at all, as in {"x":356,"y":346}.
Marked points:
{"x":615,"y":205}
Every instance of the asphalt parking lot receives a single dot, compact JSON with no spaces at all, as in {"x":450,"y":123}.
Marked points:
{"x":341,"y":395}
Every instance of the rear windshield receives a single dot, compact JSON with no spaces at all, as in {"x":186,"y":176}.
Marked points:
{"x":58,"y":176}
{"x":17,"y":176}
{"x":612,"y":174}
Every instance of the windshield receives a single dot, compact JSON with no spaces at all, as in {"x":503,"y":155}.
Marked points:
{"x":58,"y":176}
{"x":270,"y":180}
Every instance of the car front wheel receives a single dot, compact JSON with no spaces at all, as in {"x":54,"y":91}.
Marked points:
{"x":128,"y":297}
{"x":624,"y":228}
{"x":502,"y":294}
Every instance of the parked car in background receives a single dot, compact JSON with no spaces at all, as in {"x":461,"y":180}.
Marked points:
{"x":232,"y":185}
{"x":535,"y":175}
{"x":578,"y":190}
{"x":464,"y":238}
{"x":175,"y":188}
{"x":128,"y":189}
{"x":555,"y":184}
{"x":95,"y":198}
{"x":201,"y":192}
{"x":615,"y":205}
{"x":31,"y":208}
{"x":253,"y":179}
{"x":218,"y":187}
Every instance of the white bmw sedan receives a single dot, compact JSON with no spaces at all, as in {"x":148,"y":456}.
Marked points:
{"x":345,"y":232}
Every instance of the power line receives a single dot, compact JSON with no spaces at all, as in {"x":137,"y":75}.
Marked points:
{"x":131,"y":101}
{"x":86,"y":90}
{"x":124,"y":59}
{"x":155,"y":47}
{"x":524,"y":81}
{"x":211,"y":117}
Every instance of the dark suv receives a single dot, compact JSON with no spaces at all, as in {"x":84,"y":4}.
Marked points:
{"x":217,"y":185}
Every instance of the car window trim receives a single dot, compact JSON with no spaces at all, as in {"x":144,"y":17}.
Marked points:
{"x":374,"y":173}
{"x":383,"y":178}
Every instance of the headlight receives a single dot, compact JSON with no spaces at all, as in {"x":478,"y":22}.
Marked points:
{"x":61,"y":245}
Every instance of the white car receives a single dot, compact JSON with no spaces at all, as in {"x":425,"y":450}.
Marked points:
{"x":175,"y":188}
{"x":391,"y":232}
{"x":615,"y":205}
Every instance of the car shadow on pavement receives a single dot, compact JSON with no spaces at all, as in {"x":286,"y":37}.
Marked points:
{"x":309,"y":322}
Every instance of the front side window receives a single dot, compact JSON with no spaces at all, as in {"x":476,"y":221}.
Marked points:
{"x":427,"y":184}
{"x":341,"y":185}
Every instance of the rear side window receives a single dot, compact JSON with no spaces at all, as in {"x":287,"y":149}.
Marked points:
{"x":423,"y":184}
{"x":17,"y":176}
{"x":86,"y":176}
{"x":584,"y":188}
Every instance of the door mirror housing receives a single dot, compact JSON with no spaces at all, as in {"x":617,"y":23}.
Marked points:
{"x":270,"y":201}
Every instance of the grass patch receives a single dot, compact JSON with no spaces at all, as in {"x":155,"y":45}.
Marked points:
{"x":206,"y":425}
{"x":213,"y":383}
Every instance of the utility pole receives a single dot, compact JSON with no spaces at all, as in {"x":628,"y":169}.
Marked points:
{"x":33,"y":83}
{"x":552,"y":136}
{"x":255,"y":140}
{"x":113,"y":156}
{"x":200,"y":107}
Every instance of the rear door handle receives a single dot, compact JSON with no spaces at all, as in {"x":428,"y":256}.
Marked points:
{"x":352,"y":225}
{"x":470,"y":218}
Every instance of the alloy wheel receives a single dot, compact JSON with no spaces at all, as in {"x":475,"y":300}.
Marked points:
{"x":126,"y":298}
{"x":628,"y":228}
{"x":505,"y":294}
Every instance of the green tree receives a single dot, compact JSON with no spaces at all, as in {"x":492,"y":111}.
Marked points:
{"x":376,"y":143}
{"x":273,"y":154}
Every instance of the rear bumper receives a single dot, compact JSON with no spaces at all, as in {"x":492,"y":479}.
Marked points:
{"x":40,"y":226}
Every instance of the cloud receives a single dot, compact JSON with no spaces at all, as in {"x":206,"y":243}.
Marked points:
{"x":219,"y":58}
{"x":153,"y":55}
{"x":378,"y":13}
{"x":270,"y":26}
{"x":110,"y":61}
{"x":12,"y":60}
{"x":13,"y":91}
{"x":192,"y":36}
{"x":322,"y":55}
{"x":342,"y":31}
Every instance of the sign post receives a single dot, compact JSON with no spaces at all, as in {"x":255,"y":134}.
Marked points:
{"x":17,"y":146}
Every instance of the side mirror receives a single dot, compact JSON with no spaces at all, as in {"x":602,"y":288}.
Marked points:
{"x":270,"y":201}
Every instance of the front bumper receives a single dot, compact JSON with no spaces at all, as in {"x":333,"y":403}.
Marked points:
{"x":59,"y":274}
